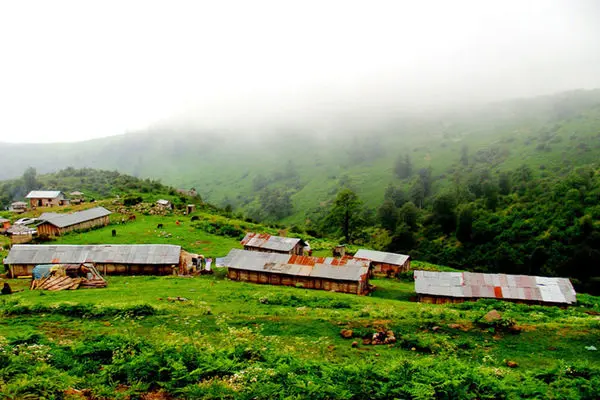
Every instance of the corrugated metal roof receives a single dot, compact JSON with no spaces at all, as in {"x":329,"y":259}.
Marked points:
{"x":44,"y":194}
{"x":382,"y":257}
{"x":163,"y":202}
{"x":2,"y":220}
{"x":105,"y":253}
{"x":502,"y":286}
{"x":266,"y":241}
{"x":64,"y":220}
{"x":20,"y":230}
{"x":317,"y":267}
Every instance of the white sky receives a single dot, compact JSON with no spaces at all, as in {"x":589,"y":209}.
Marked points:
{"x":75,"y":70}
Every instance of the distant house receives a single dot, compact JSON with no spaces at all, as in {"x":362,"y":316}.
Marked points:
{"x":54,"y":224}
{"x":46,"y":198}
{"x":338,"y":275}
{"x":76,"y":197}
{"x":116,"y":259}
{"x":18,"y":207}
{"x":4,"y":225}
{"x":164,"y":203}
{"x":266,"y":243}
{"x":457,"y":287}
{"x":383,"y":263}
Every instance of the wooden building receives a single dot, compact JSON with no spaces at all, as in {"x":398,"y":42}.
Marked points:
{"x":54,"y":224}
{"x":457,"y":287}
{"x":263,"y":242}
{"x":384,"y":264}
{"x":46,"y":198}
{"x":134,"y":259}
{"x":20,"y":234}
{"x":76,"y":197}
{"x":305,"y":272}
{"x":18,"y":207}
{"x":4,"y":225}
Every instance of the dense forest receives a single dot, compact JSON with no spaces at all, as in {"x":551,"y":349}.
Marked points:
{"x":520,"y":222}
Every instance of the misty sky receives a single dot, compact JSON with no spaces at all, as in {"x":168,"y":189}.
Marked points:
{"x":74,"y":70}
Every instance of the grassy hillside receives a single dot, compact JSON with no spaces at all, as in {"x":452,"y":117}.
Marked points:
{"x":233,"y":340}
{"x":552,"y":132}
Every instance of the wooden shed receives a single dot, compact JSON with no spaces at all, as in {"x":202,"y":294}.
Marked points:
{"x":263,"y":242}
{"x":457,"y":287}
{"x":54,"y":224}
{"x":20,"y":234}
{"x":122,"y":259}
{"x":4,"y":225}
{"x":305,"y":272}
{"x":46,"y":198}
{"x":383,"y":263}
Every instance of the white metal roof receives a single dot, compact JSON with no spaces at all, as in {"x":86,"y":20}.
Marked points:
{"x":44,"y":194}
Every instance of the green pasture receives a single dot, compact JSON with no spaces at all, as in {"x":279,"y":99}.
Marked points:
{"x":226,"y":337}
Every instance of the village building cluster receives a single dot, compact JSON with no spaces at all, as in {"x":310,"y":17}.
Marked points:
{"x":265,"y":259}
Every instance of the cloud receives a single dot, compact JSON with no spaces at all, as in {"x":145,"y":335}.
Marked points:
{"x":77,"y":70}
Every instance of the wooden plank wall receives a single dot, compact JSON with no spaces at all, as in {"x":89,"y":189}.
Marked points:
{"x":300,"y":281}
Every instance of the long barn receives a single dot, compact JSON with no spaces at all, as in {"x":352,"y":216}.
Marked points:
{"x":121,"y":259}
{"x":339,"y":275}
{"x":54,"y":224}
{"x":457,"y":287}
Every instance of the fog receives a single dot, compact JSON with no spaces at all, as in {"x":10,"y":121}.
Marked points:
{"x":74,"y":71}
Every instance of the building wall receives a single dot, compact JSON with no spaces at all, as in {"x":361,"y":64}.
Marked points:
{"x":431,"y":299}
{"x":354,"y":287}
{"x":384,"y":269}
{"x":107,"y":269}
{"x":59,"y":201}
{"x":18,"y":239}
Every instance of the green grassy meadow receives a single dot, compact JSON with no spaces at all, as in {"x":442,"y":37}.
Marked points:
{"x":241,"y":340}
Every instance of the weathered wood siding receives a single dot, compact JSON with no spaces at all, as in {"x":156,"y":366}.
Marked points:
{"x":59,"y":201}
{"x":18,"y":239}
{"x":383,"y":269}
{"x":51,"y":230}
{"x":353,"y":287}
{"x":16,"y":270}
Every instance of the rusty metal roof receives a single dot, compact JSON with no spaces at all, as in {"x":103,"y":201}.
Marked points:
{"x":104,"y":254}
{"x":499,"y":286}
{"x":78,"y":217}
{"x":266,"y":241}
{"x":317,"y":267}
{"x":382,"y":257}
{"x":44,"y":194}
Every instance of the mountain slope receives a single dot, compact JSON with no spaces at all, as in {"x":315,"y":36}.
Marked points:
{"x":309,"y":164}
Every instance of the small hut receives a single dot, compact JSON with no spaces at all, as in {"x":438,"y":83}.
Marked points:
{"x":263,"y":242}
{"x":20,"y":234}
{"x":382,"y":263}
{"x":4,"y":225}
{"x":18,"y":207}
